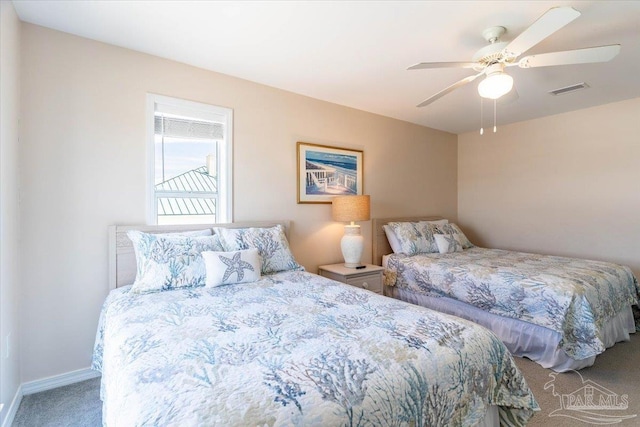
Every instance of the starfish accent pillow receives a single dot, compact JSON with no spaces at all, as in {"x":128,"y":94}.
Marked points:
{"x":226,"y":268}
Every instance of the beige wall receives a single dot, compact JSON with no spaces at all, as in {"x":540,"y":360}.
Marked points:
{"x":83,"y":168}
{"x":9,"y":209}
{"x":567,"y":184}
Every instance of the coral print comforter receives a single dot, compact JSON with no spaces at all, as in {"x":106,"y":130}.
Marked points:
{"x":297,"y":349}
{"x":574,"y":297}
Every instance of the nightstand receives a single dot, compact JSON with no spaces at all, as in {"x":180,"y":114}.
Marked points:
{"x":369,"y":278}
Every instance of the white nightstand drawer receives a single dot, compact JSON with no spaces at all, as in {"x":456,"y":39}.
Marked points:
{"x":369,"y":277}
{"x":370,"y":282}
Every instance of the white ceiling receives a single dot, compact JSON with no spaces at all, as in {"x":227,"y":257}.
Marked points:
{"x":355,"y":53}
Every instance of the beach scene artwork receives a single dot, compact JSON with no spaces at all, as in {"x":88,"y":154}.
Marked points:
{"x":326,"y":172}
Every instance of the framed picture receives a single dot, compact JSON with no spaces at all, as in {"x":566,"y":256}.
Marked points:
{"x":325,"y":172}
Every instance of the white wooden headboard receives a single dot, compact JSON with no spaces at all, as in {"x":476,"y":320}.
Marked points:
{"x":122,"y":258}
{"x":380,"y":244}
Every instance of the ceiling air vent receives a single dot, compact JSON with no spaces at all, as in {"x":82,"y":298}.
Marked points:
{"x":567,"y":89}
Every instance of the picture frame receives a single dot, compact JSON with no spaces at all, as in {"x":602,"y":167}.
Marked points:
{"x":325,"y":172}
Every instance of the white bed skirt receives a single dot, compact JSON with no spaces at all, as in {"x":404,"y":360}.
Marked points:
{"x":523,"y":339}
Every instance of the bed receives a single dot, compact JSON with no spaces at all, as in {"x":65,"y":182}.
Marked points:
{"x":560,"y":312}
{"x":291,"y":348}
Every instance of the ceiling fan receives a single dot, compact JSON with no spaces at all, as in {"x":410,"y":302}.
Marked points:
{"x":492,"y":59}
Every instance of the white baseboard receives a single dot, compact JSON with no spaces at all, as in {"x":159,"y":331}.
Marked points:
{"x":58,"y":381}
{"x":13,"y":408}
{"x":44,"y":385}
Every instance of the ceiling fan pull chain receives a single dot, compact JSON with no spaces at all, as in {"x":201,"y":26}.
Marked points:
{"x":481,"y":128}
{"x":495,"y":127}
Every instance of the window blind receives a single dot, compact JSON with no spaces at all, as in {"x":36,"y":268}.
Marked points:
{"x":187,"y":128}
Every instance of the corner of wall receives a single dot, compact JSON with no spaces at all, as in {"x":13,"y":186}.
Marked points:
{"x":10,"y":54}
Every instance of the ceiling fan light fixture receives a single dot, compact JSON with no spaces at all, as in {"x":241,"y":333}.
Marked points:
{"x":495,"y":85}
{"x":492,"y":59}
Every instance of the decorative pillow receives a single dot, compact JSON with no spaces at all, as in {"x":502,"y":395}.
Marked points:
{"x":271,"y":244}
{"x":393,"y":240}
{"x":437,"y":221}
{"x":226,"y":268}
{"x":452,"y":228}
{"x":414,"y":237}
{"x":170,"y":262}
{"x":448,"y":243}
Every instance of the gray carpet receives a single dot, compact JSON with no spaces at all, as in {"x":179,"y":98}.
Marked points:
{"x":75,"y":405}
{"x":616,"y":370}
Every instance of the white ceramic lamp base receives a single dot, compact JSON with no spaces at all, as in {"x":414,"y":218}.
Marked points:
{"x":352,"y":245}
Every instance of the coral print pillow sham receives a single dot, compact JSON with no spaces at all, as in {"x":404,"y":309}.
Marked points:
{"x":166,"y":262}
{"x":414,"y":237}
{"x":448,"y":243}
{"x":271,"y":244}
{"x":454,"y":230}
{"x":421,"y":237}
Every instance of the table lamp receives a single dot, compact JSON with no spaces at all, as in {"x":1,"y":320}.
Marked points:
{"x":351,"y":209}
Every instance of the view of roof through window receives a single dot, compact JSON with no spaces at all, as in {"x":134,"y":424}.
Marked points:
{"x":186,"y":159}
{"x":183,"y":144}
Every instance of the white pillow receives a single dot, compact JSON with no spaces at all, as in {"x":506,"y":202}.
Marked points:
{"x":448,"y":243}
{"x":226,"y":268}
{"x":393,"y":240}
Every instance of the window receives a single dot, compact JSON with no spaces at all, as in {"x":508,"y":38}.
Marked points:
{"x":189,"y":162}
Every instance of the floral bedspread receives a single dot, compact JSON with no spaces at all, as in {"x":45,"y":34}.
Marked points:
{"x":298,"y":349}
{"x":572,"y":296}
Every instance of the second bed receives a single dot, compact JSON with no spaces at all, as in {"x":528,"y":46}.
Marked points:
{"x":560,"y":312}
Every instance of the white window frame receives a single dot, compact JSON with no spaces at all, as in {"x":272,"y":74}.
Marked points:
{"x":224,"y":211}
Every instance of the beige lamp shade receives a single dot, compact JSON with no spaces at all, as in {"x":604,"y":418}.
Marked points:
{"x":351,"y":208}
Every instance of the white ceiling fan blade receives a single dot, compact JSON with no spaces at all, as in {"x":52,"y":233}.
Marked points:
{"x":423,"y":65}
{"x":554,"y":19}
{"x":577,"y":56}
{"x":451,"y":88}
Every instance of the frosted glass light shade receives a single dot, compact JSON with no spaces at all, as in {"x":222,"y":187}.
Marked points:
{"x":495,"y":85}
{"x":352,"y":245}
